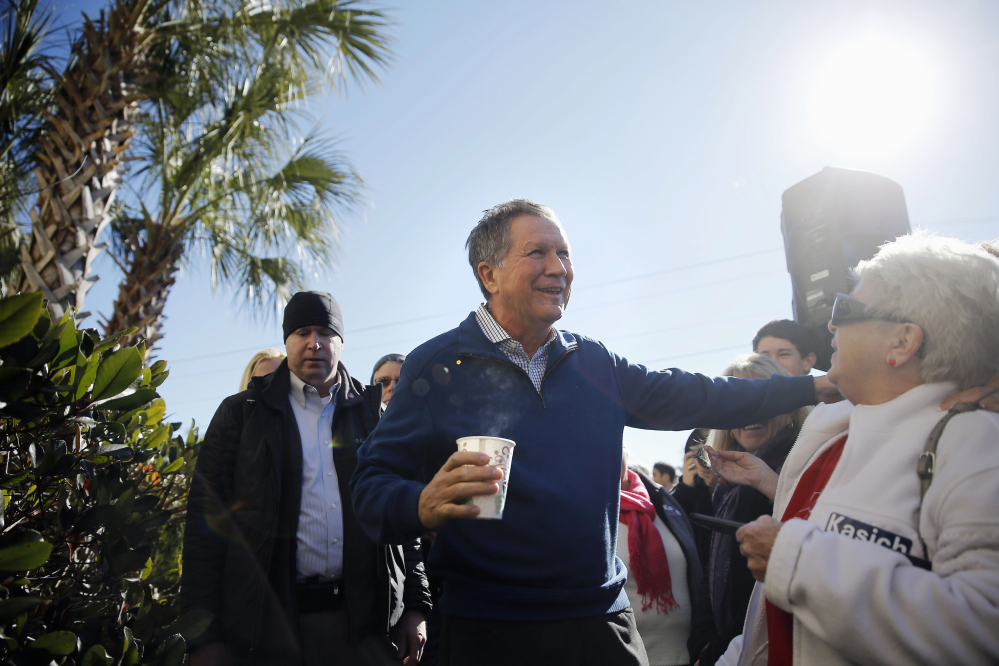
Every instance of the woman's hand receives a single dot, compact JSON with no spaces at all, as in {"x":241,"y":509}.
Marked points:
{"x":756,"y":541}
{"x":689,"y":469}
{"x":744,"y":469}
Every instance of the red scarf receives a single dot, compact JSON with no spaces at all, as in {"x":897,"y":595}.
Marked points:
{"x":646,"y":552}
{"x":780,"y":623}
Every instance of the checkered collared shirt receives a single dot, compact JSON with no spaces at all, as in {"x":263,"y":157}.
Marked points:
{"x":534,"y":367}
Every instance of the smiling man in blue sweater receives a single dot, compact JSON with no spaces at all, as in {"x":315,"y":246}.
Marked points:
{"x":543,"y":585}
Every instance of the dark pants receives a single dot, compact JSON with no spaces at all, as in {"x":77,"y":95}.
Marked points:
{"x":600,"y":640}
{"x":324,"y":639}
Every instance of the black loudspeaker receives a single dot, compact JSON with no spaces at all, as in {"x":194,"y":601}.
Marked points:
{"x":830,"y":222}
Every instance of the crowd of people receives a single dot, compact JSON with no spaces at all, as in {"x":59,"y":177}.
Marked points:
{"x":845,"y":518}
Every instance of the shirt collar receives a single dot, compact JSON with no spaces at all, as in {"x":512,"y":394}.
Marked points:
{"x":496,"y":333}
{"x":300,"y":392}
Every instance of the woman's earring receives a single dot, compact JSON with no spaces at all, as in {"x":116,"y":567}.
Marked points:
{"x":891,"y":362}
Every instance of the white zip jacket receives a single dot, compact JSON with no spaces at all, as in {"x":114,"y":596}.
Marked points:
{"x":856,"y":599}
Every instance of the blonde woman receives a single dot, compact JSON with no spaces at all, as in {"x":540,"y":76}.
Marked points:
{"x":728,"y":584}
{"x":263,"y":363}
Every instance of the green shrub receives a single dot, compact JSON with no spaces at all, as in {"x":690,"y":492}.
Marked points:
{"x":94,"y":489}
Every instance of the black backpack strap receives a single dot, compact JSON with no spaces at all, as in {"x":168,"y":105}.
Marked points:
{"x":926,"y":466}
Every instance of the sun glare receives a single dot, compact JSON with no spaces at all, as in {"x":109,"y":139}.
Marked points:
{"x":873,"y":96}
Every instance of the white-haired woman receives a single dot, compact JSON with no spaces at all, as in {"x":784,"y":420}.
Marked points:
{"x":723,"y":597}
{"x":864,"y":567}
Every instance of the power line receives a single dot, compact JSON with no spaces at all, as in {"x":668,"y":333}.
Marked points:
{"x":700,"y":353}
{"x":678,"y":289}
{"x":452,"y":312}
{"x":966,"y":220}
{"x":685,"y":268}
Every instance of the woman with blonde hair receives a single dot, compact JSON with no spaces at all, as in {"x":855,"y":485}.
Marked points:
{"x":263,"y":363}
{"x":728,"y":584}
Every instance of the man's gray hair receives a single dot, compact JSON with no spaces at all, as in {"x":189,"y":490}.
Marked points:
{"x":950,"y":289}
{"x":490,"y":239}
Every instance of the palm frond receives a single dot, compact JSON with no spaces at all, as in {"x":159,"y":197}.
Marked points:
{"x":24,"y":96}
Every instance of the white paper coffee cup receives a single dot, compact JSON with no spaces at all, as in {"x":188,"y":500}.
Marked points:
{"x":500,"y":452}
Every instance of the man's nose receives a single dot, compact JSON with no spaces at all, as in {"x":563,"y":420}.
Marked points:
{"x":555,"y":265}
{"x":831,"y":327}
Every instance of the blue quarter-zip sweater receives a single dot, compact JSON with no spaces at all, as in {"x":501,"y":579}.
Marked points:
{"x":552,"y":556}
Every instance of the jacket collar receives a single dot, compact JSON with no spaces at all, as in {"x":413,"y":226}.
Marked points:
{"x":273,"y":389}
{"x":473,"y":342}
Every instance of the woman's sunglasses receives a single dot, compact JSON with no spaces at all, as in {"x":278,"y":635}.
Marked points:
{"x":846,"y":310}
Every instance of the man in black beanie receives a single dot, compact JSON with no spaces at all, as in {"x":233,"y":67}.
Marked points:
{"x":272,"y":548}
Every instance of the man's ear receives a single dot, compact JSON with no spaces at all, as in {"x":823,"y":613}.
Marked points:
{"x":488,"y":276}
{"x":809,"y":361}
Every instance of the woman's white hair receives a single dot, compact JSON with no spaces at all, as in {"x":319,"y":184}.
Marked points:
{"x":950,"y":289}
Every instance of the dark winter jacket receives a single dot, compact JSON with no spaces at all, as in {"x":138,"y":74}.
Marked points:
{"x":242,"y":520}
{"x":552,"y":556}
{"x":697,"y":499}
{"x":723,"y":598}
{"x":676,"y":521}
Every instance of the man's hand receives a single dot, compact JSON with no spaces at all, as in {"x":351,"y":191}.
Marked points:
{"x":410,"y":634}
{"x":825,"y":390}
{"x":744,"y":469}
{"x":756,"y":540}
{"x":464,"y":475}
{"x":213,"y":654}
{"x":973,"y":394}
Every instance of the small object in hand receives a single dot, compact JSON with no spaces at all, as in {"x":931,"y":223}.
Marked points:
{"x":720,"y":525}
{"x":703,"y":457}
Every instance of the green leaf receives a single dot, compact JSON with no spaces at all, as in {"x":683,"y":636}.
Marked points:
{"x":172,"y":652}
{"x":131,"y":401}
{"x":109,"y":342}
{"x":13,"y":480}
{"x":58,"y":642}
{"x":158,"y":367}
{"x":159,"y":436}
{"x":159,"y":379}
{"x":191,"y":624}
{"x":130,"y":560}
{"x":173,"y":467}
{"x":18,"y":315}
{"x":86,"y":377}
{"x":11,"y":608}
{"x":96,"y":656}
{"x":116,"y":372}
{"x":94,"y":519}
{"x":24,"y":556}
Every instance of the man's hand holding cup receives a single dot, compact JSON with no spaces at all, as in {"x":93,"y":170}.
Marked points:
{"x":464,"y":475}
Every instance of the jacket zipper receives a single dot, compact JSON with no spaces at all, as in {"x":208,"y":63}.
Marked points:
{"x":550,"y":370}
{"x":539,"y":391}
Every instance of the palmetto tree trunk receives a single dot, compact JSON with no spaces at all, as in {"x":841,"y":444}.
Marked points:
{"x":81,"y":156}
{"x":153,"y":262}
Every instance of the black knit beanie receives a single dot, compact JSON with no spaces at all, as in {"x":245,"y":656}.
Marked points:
{"x":312,"y":308}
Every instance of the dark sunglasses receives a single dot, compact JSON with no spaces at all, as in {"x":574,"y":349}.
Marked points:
{"x":385,"y":381}
{"x":846,"y":310}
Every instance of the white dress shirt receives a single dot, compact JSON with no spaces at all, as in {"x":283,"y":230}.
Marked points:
{"x":320,"y":519}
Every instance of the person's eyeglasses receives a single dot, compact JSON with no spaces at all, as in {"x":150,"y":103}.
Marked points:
{"x":846,"y":310}
{"x":385,"y":382}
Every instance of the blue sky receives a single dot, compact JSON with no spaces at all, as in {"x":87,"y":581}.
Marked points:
{"x":663,"y":134}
